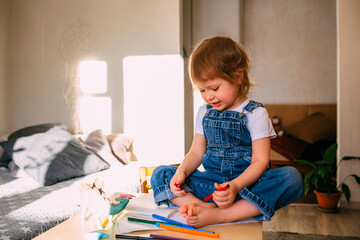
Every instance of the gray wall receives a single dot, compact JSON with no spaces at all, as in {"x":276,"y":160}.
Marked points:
{"x":293,"y":46}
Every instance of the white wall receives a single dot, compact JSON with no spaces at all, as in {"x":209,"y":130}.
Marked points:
{"x":348,"y":27}
{"x":5,"y":101}
{"x":293,"y":47}
{"x":131,"y":29}
{"x":125,"y":28}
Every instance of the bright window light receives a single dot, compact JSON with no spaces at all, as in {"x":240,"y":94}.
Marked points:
{"x":145,"y":77}
{"x":95,"y":113}
{"x":93,"y":77}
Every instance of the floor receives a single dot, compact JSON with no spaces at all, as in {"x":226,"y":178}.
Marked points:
{"x":307,"y":219}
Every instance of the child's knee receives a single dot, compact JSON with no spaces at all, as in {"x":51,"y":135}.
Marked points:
{"x":162,"y":175}
{"x":294,"y":176}
{"x":294,"y":180}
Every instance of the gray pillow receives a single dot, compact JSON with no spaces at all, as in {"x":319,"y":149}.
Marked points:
{"x":23,"y":132}
{"x":30,"y":130}
{"x":52,"y":156}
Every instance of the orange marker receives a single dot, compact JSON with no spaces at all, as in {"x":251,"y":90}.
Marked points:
{"x":220,"y":189}
{"x":187,"y":230}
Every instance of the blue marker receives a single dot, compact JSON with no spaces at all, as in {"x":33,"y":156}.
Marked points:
{"x":176,"y":222}
{"x":170,"y":220}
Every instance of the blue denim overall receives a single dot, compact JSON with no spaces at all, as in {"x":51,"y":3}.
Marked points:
{"x":228,"y":154}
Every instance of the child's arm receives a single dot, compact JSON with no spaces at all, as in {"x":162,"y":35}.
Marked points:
{"x":259,"y":164}
{"x":190,"y":163}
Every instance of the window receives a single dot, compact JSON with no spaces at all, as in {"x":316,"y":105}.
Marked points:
{"x":94,"y":103}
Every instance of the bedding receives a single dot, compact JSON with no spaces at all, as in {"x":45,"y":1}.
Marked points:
{"x":24,"y":132}
{"x":52,"y":156}
{"x":286,"y":148}
{"x":120,"y":145}
{"x":313,"y":128}
{"x":28,"y":209}
{"x":307,"y":138}
{"x":44,"y":168}
{"x":289,"y":147}
{"x":97,"y":143}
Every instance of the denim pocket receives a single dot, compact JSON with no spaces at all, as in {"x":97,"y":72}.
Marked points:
{"x":223,"y":134}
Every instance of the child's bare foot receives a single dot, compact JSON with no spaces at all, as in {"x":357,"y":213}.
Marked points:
{"x":200,"y":215}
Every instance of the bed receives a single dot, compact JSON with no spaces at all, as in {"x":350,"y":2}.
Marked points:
{"x":306,"y":130}
{"x":32,"y":200}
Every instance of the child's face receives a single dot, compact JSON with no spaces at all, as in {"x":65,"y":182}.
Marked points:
{"x":221,"y":94}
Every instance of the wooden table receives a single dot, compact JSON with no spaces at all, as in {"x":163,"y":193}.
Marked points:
{"x":76,"y":229}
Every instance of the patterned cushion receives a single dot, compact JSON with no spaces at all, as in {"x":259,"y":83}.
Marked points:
{"x":23,"y":132}
{"x":120,"y":145}
{"x":97,"y":143}
{"x":52,"y":156}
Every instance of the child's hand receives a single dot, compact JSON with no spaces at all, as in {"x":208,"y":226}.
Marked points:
{"x":225,"y":198}
{"x":175,"y":183}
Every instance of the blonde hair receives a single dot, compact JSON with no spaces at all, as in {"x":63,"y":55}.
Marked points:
{"x":220,"y":57}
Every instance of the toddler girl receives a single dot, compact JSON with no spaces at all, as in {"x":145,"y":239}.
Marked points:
{"x":232,"y":142}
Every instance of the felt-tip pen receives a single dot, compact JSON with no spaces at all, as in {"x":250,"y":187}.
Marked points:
{"x":220,"y":189}
{"x":121,"y":236}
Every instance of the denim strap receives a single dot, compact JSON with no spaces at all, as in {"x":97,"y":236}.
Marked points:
{"x":252,"y":105}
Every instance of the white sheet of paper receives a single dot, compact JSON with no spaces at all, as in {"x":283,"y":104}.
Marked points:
{"x":144,"y":206}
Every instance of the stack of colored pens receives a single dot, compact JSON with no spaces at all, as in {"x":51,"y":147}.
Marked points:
{"x":169,"y":224}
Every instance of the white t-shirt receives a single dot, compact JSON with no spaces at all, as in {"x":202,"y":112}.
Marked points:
{"x":258,"y":121}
